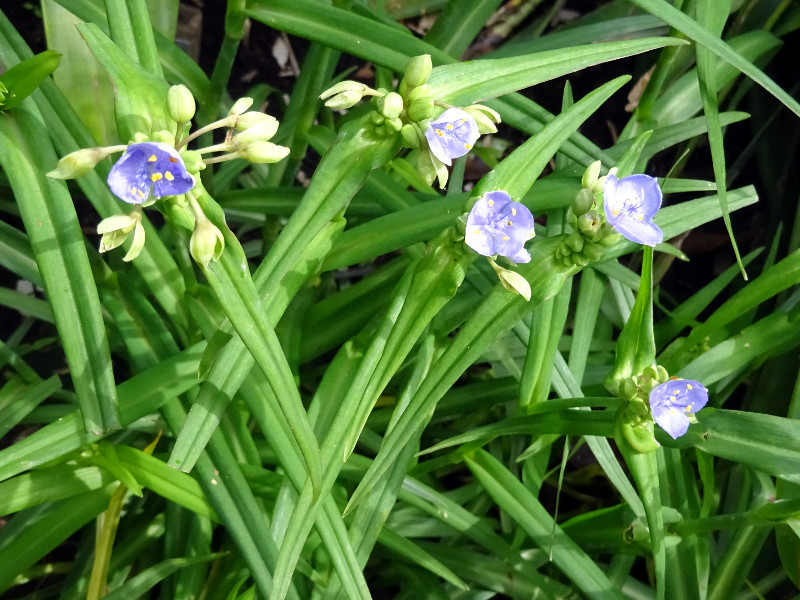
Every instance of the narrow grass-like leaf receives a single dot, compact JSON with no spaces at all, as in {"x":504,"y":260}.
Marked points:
{"x":26,"y":155}
{"x":693,"y":30}
{"x":514,"y":498}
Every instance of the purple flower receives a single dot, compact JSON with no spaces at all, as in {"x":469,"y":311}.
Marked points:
{"x":672,"y":401}
{"x":452,"y":135}
{"x":630,"y":204}
{"x":498,"y":225}
{"x":149,"y":169}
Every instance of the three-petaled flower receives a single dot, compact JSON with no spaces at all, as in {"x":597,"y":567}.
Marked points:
{"x":672,"y":402}
{"x":149,"y":170}
{"x":630,"y":204}
{"x":452,"y":135}
{"x":498,"y":225}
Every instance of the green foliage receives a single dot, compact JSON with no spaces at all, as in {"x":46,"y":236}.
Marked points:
{"x":307,"y":385}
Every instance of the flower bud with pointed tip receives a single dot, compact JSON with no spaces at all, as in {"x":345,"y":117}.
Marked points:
{"x":207,"y":241}
{"x":80,"y":162}
{"x":180,"y":104}
{"x":262,"y":131}
{"x":418,"y":70}
{"x":590,"y":223}
{"x":241,"y":105}
{"x":410,"y":136}
{"x":592,"y":251}
{"x":628,"y":389}
{"x":583,"y":202}
{"x":591,"y":174}
{"x":263,"y":152}
{"x":512,"y":281}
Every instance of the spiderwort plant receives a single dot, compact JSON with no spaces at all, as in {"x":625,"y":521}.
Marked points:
{"x":630,"y":205}
{"x":147,"y":171}
{"x":498,"y":226}
{"x":452,"y":135}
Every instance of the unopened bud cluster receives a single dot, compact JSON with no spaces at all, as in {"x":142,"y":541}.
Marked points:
{"x":591,"y":234}
{"x":635,"y":420}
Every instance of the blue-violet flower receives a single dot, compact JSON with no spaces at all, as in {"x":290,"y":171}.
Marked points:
{"x":452,"y":135}
{"x":672,"y":402}
{"x":498,"y":225}
{"x":630,"y":204}
{"x":149,"y":169}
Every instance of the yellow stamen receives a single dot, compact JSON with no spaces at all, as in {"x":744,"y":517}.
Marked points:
{"x":506,"y":238}
{"x":513,"y":212}
{"x":153,"y":158}
{"x":491,"y":202}
{"x":689,"y":386}
{"x":449,"y":127}
{"x":156,"y":177}
{"x":468,"y":146}
{"x":439,"y":132}
{"x":168,"y":176}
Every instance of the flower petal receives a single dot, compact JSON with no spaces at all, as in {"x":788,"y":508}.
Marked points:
{"x":641,"y":232}
{"x":646,"y":188}
{"x":452,"y":135}
{"x":673,"y":421}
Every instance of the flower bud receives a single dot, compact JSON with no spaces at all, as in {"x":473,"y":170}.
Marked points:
{"x":193,"y":161}
{"x":263,"y":152}
{"x":485,"y":118}
{"x":344,"y":100}
{"x":418,"y":70}
{"x":346,"y":94}
{"x":575,"y":241}
{"x":262,"y":131}
{"x":512,"y":281}
{"x":410,"y":135}
{"x":162,"y":136}
{"x":583,"y":202}
{"x":180,"y":104}
{"x":591,"y":174}
{"x":207,"y":241}
{"x":250,"y":119}
{"x":390,"y":105}
{"x":241,"y":105}
{"x":80,"y":162}
{"x":628,"y":389}
{"x":592,"y":251}
{"x":421,"y":108}
{"x":640,"y":437}
{"x":590,"y":223}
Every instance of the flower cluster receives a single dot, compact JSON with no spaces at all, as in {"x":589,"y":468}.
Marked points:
{"x":410,"y":111}
{"x":654,"y":396}
{"x":159,"y":166}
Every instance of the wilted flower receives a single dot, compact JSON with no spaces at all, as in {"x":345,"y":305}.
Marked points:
{"x":672,"y":402}
{"x":115,"y":230}
{"x":498,"y":225}
{"x":452,"y":135}
{"x":630,"y":204}
{"x":149,"y":169}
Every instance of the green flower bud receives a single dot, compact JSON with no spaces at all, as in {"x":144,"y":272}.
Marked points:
{"x":423,"y":91}
{"x":180,"y":104}
{"x":575,"y":241}
{"x":241,"y":105}
{"x":207,"y":241}
{"x":590,"y":223}
{"x":421,"y":108}
{"x":346,"y":94}
{"x":512,"y":281}
{"x":591,"y":174}
{"x":579,"y":260}
{"x":593,"y":251}
{"x":250,"y":119}
{"x":485,"y":118}
{"x":390,"y":105}
{"x":418,"y":70}
{"x":262,"y":131}
{"x":650,"y":372}
{"x":393,"y":125}
{"x":583,"y":202}
{"x":80,"y":162}
{"x":410,"y":136}
{"x":628,"y":389}
{"x":661,"y":374}
{"x":598,"y":185}
{"x":163,"y":136}
{"x":641,"y":437}
{"x":263,"y":152}
{"x":193,"y":161}
{"x":377,"y":118}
